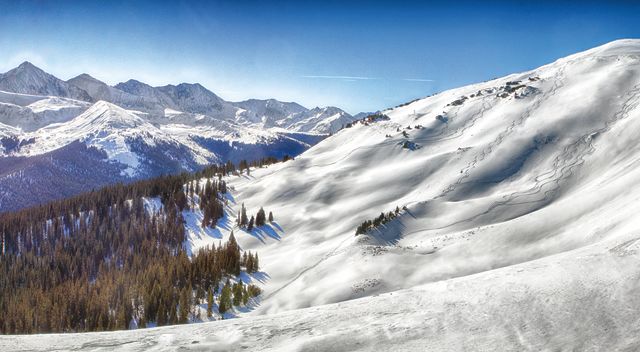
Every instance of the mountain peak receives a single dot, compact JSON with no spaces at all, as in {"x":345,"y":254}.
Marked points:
{"x":132,"y":81}
{"x":103,"y":113}
{"x":84,"y":76}
{"x":29,"y":79}
{"x":132,"y":86}
{"x":27,"y":65}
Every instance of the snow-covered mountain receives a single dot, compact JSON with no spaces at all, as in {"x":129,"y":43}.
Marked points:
{"x":292,"y":116}
{"x":28,"y":79}
{"x":516,"y":225}
{"x":321,"y":120}
{"x":185,"y":97}
{"x":31,"y":112}
{"x":99,"y":90}
{"x":268,"y":112}
{"x":139,"y":130}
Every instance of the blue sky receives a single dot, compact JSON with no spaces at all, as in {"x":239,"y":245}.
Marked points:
{"x":360,"y":56}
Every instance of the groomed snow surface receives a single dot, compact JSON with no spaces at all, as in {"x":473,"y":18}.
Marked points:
{"x":520,"y":230}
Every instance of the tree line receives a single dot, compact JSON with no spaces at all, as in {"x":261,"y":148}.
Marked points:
{"x":103,"y":261}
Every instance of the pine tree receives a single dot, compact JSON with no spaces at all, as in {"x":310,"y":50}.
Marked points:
{"x":225,"y":299}
{"x":256,"y":263}
{"x":237,"y":293}
{"x":209,"y":303}
{"x":249,"y":263}
{"x":185,"y":305}
{"x":243,"y":216}
{"x":270,"y":217}
{"x":250,"y":225}
{"x":260,"y":217}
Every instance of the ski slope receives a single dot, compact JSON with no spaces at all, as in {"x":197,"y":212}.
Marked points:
{"x":518,"y":226}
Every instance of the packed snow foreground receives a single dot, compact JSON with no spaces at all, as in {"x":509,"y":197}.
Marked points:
{"x":516,"y":226}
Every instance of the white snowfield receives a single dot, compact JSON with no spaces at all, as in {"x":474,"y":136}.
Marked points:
{"x":520,"y":230}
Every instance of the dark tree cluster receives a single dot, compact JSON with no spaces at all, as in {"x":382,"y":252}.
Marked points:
{"x":368,"y":120}
{"x":380,"y":220}
{"x":213,"y":265}
{"x":211,"y":199}
{"x":101,"y":260}
{"x":245,"y":165}
{"x":260,"y":219}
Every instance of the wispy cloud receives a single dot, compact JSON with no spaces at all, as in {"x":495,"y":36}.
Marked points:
{"x":417,"y":80}
{"x":363,"y":78}
{"x":349,"y":78}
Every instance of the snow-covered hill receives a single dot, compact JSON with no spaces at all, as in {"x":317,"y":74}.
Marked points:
{"x":516,"y":225}
{"x":491,"y":175}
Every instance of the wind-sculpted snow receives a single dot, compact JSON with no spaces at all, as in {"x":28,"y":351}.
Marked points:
{"x":507,"y":179}
{"x":516,"y":226}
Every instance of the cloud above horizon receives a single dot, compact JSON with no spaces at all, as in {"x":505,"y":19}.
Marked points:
{"x":362,"y":78}
{"x":418,"y":80}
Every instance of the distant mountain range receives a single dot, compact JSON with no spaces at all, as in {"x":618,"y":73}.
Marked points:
{"x":58,"y":138}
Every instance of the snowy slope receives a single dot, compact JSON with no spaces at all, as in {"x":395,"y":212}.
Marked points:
{"x":511,"y":173}
{"x":520,"y":228}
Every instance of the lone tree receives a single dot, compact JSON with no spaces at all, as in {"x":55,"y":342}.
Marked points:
{"x":225,"y":299}
{"x":243,"y":216}
{"x":260,"y":217}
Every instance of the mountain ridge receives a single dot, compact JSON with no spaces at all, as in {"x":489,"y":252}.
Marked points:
{"x":144,"y":130}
